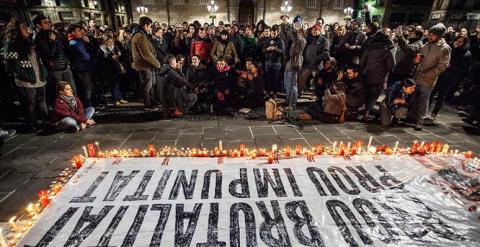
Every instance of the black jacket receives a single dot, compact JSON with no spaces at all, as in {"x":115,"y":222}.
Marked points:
{"x":172,"y":77}
{"x":161,"y":48}
{"x":197,"y":76}
{"x":52,"y":52}
{"x":377,"y":60}
{"x":275,"y":56}
{"x":407,"y":50}
{"x":317,"y":49}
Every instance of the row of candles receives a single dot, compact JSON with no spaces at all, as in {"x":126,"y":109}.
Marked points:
{"x":19,"y":225}
{"x":337,"y":148}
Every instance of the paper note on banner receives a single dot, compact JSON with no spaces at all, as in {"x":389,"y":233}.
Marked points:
{"x":391,"y":201}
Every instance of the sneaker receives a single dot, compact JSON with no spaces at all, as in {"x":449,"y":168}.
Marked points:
{"x":123,"y":101}
{"x":151,"y":108}
{"x":118,"y":104}
{"x":4,"y":134}
{"x":418,"y":126}
{"x":430,"y":118}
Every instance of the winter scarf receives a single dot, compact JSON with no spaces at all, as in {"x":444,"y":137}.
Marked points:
{"x":71,"y":101}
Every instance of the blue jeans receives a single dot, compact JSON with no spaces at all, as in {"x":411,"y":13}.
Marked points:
{"x":291,"y":87}
{"x":68,"y":123}
{"x":419,"y":106}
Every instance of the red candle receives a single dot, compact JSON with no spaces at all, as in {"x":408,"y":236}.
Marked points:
{"x":151,"y":152}
{"x":388,"y":151}
{"x":319,"y":149}
{"x":56,"y":188}
{"x":78,"y":161}
{"x":353,"y":151}
{"x":298,"y":149}
{"x":242,"y":150}
{"x":270,"y":159}
{"x":91,"y":150}
{"x":287,"y":151}
{"x":43,"y":198}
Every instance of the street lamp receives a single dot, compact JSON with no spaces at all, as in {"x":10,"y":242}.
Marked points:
{"x":286,"y":7}
{"x":212,"y":8}
{"x":348,"y":11}
{"x":142,"y":10}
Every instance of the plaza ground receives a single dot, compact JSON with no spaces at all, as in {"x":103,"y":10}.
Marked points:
{"x":30,"y":162}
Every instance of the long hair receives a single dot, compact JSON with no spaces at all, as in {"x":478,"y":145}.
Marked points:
{"x":14,"y":38}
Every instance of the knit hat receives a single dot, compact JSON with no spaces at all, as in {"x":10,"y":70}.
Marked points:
{"x":298,"y":19}
{"x":438,"y":29}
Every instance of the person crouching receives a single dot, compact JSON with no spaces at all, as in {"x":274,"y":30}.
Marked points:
{"x":176,"y":98}
{"x":68,"y":112}
{"x":395,"y":105}
{"x":334,"y":106}
{"x":250,"y":86}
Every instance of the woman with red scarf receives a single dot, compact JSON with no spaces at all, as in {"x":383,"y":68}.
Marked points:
{"x":222,"y":82}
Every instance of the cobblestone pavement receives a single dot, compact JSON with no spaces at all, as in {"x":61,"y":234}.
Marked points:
{"x":30,"y":162}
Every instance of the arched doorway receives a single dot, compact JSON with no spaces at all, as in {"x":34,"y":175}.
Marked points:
{"x":246,"y":12}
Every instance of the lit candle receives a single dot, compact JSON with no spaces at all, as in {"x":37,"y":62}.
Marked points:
{"x":369,"y":142}
{"x":78,"y":161}
{"x":298,"y":149}
{"x":270,"y":159}
{"x":91,"y":150}
{"x":334,"y":146}
{"x":274,"y":148}
{"x":220,"y":145}
{"x":12,"y":224}
{"x":85,"y":151}
{"x":348,"y":146}
{"x":395,"y":148}
{"x":98,"y":146}
{"x":3,"y":241}
{"x":468,"y":154}
{"x":287,"y":151}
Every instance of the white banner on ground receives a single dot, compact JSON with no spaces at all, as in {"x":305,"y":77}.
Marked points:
{"x":332,"y":201}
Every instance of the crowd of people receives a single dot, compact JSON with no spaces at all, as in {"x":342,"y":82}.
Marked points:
{"x":358,"y":72}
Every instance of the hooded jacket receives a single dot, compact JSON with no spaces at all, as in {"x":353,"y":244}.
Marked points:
{"x":143,"y":52}
{"x":406,"y":53}
{"x":81,"y":55}
{"x":377,"y":60}
{"x":436,"y":59}
{"x":226,"y":49}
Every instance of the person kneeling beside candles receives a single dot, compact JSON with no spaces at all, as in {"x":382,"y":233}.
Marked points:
{"x":68,"y":113}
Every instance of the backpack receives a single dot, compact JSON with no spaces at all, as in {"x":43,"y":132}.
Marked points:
{"x":273,"y":111}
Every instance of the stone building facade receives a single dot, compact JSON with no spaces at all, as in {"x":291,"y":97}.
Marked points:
{"x":106,"y":12}
{"x":458,"y":13}
{"x":242,"y":11}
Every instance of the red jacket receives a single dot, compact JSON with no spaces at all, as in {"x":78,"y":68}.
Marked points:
{"x":62,"y":110}
{"x":201,"y":48}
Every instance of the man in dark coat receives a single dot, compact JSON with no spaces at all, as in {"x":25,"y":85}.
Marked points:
{"x":376,"y":62}
{"x":52,"y":51}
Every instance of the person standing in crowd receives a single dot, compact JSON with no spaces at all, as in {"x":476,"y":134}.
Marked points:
{"x":53,"y":54}
{"x":249,"y":43}
{"x":176,"y":101}
{"x":261,"y":42}
{"x":316,"y":50}
{"x":409,"y":45}
{"x":160,"y":44}
{"x":30,"y":75}
{"x":337,"y":36}
{"x":294,"y":60}
{"x":145,"y":59}
{"x":376,"y":63}
{"x":455,"y":73}
{"x":81,"y":60}
{"x":201,"y":47}
{"x":351,"y":46}
{"x":68,"y":112}
{"x":109,"y":62}
{"x":274,"y":50}
{"x":435,"y":58}
{"x":197,"y":76}
{"x":236,"y":39}
{"x":224,"y":47}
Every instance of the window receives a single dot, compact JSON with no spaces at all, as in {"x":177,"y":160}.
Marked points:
{"x":311,"y":4}
{"x":338,"y":4}
{"x":204,"y":2}
{"x":178,"y":2}
{"x":148,"y":2}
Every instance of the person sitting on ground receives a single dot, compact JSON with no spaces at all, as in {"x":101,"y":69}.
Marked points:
{"x":176,"y":98}
{"x":222,"y":81}
{"x":334,"y":106}
{"x":250,"y":86}
{"x":68,"y":112}
{"x":395,"y":104}
{"x":355,"y":90}
{"x":197,"y":76}
{"x":325,"y":77}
